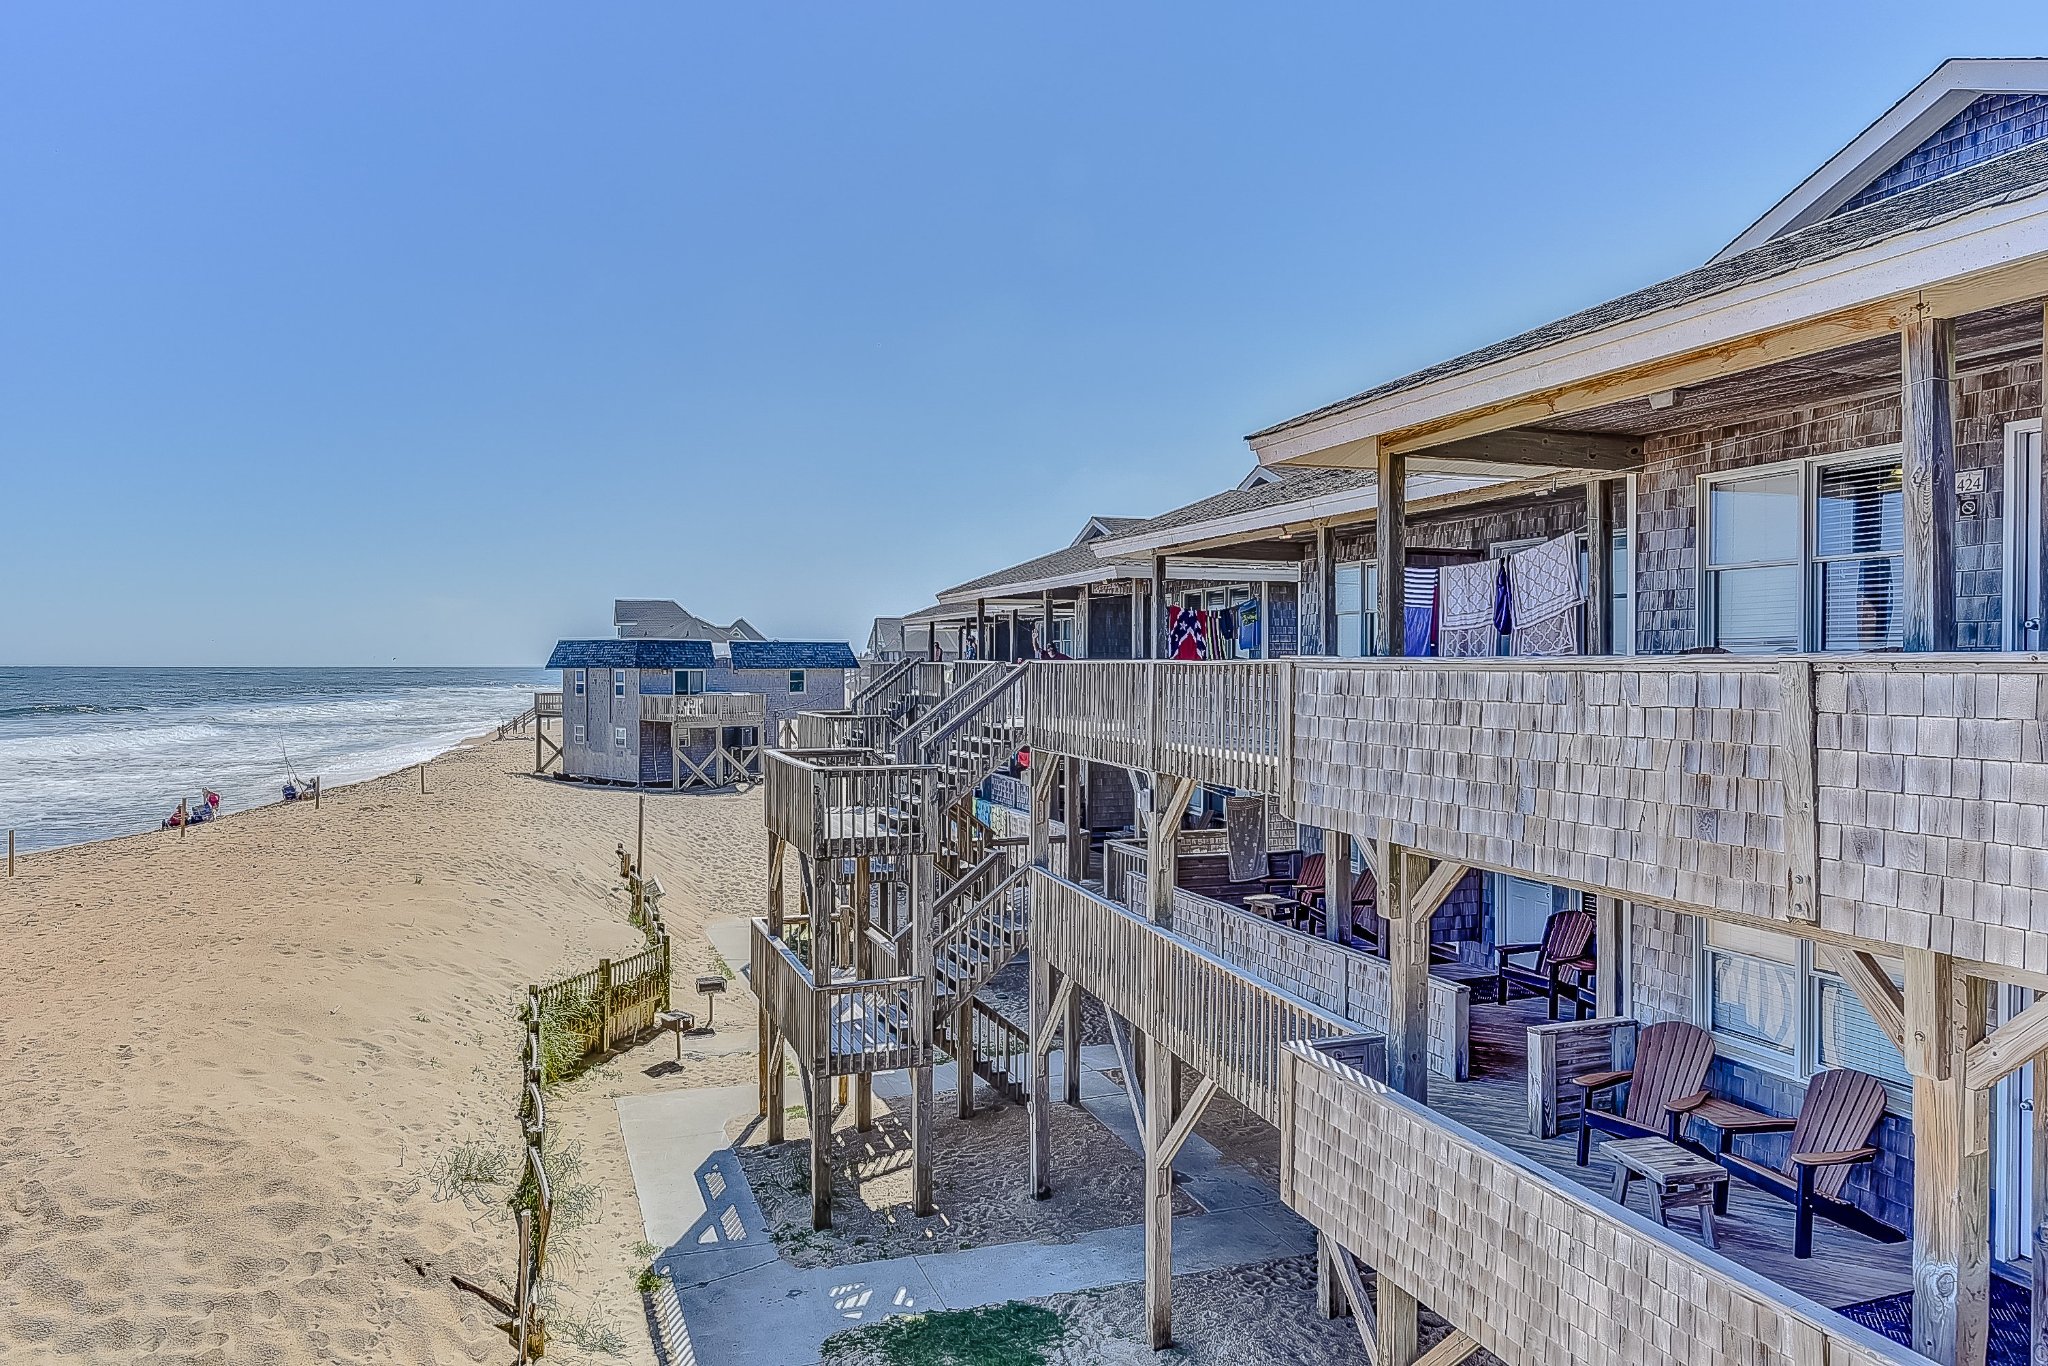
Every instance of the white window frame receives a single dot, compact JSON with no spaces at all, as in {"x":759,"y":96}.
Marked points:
{"x":689,"y":682}
{"x":618,"y":682}
{"x":579,"y":734}
{"x":619,"y":737}
{"x":799,"y":682}
{"x":1803,"y":1059}
{"x":578,"y":681}
{"x":1808,"y":561}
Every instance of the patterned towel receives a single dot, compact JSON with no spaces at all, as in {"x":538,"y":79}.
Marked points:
{"x":1244,"y":823}
{"x":1466,"y":631}
{"x":1547,"y":597}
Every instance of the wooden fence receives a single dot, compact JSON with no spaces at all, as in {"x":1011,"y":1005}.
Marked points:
{"x":1226,"y":1024}
{"x":1227,"y":724}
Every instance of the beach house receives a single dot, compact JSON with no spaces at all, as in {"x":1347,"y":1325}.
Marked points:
{"x":1669,"y":675}
{"x":686,"y":713}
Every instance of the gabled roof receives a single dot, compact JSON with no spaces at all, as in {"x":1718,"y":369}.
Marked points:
{"x":666,"y":619}
{"x":1299,"y":496}
{"x":1056,"y":570}
{"x":631,"y":654}
{"x":792,"y":654}
{"x":1880,"y":150}
{"x":2015,"y":176}
{"x":885,"y":634}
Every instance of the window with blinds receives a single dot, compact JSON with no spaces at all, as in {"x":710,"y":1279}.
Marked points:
{"x":1357,"y":595}
{"x":1805,"y":557}
{"x":1752,"y":982}
{"x":1859,"y":534}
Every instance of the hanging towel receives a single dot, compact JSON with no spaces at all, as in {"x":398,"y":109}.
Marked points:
{"x":1248,"y":627}
{"x":1225,"y":644}
{"x":1469,"y":594}
{"x":1186,"y":628}
{"x":1547,"y":594}
{"x":1504,"y":601}
{"x":1418,"y":602}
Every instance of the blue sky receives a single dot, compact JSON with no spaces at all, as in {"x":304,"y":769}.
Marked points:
{"x":365,"y":333}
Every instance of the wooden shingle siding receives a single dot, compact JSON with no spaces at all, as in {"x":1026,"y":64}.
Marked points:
{"x":1651,"y":780}
{"x":1562,"y":1275}
{"x":1934,"y":805}
{"x":1341,"y":980}
{"x":1992,"y":126}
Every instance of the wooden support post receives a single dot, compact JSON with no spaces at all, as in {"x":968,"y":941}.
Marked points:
{"x":923,"y":872}
{"x":640,"y":839}
{"x":1608,"y":967}
{"x":1330,"y":1300}
{"x":963,"y":1058}
{"x":1170,"y":798}
{"x":775,"y":872}
{"x":1155,"y":633}
{"x":423,"y":780}
{"x":1326,"y":582}
{"x":821,"y":1151}
{"x":864,"y":965}
{"x":537,"y":765}
{"x":1798,"y":760}
{"x":1946,"y":1013}
{"x":1045,"y":628}
{"x":1928,"y":429}
{"x":1599,"y":568}
{"x":1407,"y":938}
{"x":317,"y":785}
{"x":773,"y":1077}
{"x":1070,"y":811}
{"x":1399,"y":1326}
{"x":1161,"y":1110}
{"x":1070,"y":1040}
{"x":1137,"y":619}
{"x":1015,"y":653}
{"x":1390,"y":533}
{"x":1039,"y":1097}
{"x":1337,"y":883}
{"x":184,"y":816}
{"x":10,"y":853}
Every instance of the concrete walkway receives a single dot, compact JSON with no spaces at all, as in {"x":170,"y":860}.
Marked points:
{"x":730,"y":1297}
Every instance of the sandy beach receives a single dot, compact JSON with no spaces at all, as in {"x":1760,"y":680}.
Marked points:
{"x":239,"y":1059}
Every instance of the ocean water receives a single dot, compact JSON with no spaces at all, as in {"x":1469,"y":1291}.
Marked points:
{"x":91,"y":753}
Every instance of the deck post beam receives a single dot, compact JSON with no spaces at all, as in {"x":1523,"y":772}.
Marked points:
{"x":1070,"y":1040}
{"x":1170,"y":798}
{"x":1155,"y":634}
{"x":1390,"y":537}
{"x":1946,"y":1012}
{"x":1928,"y":429}
{"x":1599,"y":568}
{"x":1407,"y":942}
{"x":922,"y":874}
{"x":864,"y":964}
{"x":1045,"y":769}
{"x":1071,"y":810}
{"x":1399,"y":1323}
{"x":1608,"y":955}
{"x":1337,"y":883}
{"x":1326,"y":585}
{"x":1161,"y":1112}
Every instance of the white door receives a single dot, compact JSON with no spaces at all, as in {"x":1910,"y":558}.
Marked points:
{"x":2023,"y":551}
{"x":1521,"y":909}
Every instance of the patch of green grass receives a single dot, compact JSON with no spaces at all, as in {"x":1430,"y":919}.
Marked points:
{"x":1013,"y":1334}
{"x":645,"y":1250}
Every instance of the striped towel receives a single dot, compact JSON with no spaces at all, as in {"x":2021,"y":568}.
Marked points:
{"x":1418,"y":600}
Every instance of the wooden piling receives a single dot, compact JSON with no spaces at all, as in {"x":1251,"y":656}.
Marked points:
{"x":640,"y":839}
{"x":423,"y":780}
{"x":316,"y":792}
{"x":184,"y":816}
{"x":10,"y":853}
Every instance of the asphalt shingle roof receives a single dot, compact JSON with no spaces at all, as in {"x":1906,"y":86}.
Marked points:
{"x":1293,"y":486}
{"x":2015,"y":175}
{"x":792,"y":654}
{"x":631,"y":654}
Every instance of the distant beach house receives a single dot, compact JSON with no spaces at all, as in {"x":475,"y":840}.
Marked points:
{"x":687,"y":712}
{"x":665,"y":619}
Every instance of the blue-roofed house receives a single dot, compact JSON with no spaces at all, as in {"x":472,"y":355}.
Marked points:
{"x":686,"y":713}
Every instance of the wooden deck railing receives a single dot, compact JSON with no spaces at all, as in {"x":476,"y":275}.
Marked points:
{"x":847,"y":1027}
{"x":547,"y":704}
{"x":849,"y":803}
{"x":1226,"y":724}
{"x":887,"y":690}
{"x":1533,"y":1269}
{"x":706,"y":709}
{"x":839,"y":730}
{"x":1223,"y":1022}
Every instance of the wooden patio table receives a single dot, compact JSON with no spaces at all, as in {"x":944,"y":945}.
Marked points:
{"x":1682,"y":1178}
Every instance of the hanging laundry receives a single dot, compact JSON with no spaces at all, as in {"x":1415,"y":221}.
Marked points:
{"x":1186,"y":628}
{"x":1504,"y":600}
{"x":1248,"y":627}
{"x":1418,"y":602}
{"x":1469,"y":592}
{"x":1547,"y":594}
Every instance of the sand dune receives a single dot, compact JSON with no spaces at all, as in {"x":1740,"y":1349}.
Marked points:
{"x":235,"y":1058}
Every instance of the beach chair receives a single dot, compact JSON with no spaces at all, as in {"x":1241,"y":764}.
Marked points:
{"x":1671,"y":1067}
{"x":1830,"y":1137}
{"x":1559,"y":968}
